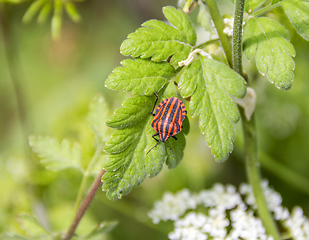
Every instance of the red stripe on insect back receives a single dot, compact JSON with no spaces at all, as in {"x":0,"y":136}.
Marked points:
{"x":168,"y":119}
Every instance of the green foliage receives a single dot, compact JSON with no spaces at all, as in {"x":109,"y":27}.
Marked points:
{"x":160,"y":41}
{"x":209,"y":84}
{"x":206,"y":81}
{"x":56,"y":156}
{"x":34,"y":230}
{"x":46,"y":7}
{"x":45,"y":11}
{"x":72,"y":12}
{"x":251,"y":5}
{"x":32,"y":227}
{"x":98,"y":113}
{"x":99,"y":231}
{"x":140,"y":76}
{"x":204,"y":19}
{"x":127,"y":164}
{"x":32,"y":10}
{"x":298,"y":13}
{"x":268,"y":41}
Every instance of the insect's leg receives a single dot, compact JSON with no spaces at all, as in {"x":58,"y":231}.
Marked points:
{"x":171,"y":149}
{"x":153,"y":136}
{"x":174,"y":137}
{"x":154,"y":104}
{"x":153,"y":146}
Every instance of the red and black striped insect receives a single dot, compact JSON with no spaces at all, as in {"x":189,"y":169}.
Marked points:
{"x":168,"y":119}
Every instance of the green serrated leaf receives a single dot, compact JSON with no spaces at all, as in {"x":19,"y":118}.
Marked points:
{"x":72,"y":12}
{"x":100,"y":230}
{"x":31,"y":226}
{"x":268,"y":41}
{"x":127,"y":164}
{"x":56,"y":156}
{"x":204,"y":18}
{"x":209,"y":83}
{"x":142,"y":77}
{"x":46,"y":9}
{"x":298,"y":13}
{"x":98,"y":113}
{"x":160,"y":41}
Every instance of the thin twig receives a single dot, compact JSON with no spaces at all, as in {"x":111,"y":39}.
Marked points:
{"x":81,"y":211}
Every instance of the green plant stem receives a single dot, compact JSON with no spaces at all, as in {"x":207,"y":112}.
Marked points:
{"x":254,"y":175}
{"x":189,"y":6}
{"x":219,"y":24}
{"x":285,"y":173}
{"x":86,"y":175}
{"x":85,"y":204}
{"x":265,"y":9}
{"x":237,"y":36}
{"x":250,"y":135}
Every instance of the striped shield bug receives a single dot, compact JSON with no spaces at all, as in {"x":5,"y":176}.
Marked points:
{"x":168,"y":119}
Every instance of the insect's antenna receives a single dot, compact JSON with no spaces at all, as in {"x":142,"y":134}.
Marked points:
{"x":171,"y":149}
{"x":153,"y":147}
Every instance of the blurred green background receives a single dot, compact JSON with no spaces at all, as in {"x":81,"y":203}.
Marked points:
{"x":46,"y":87}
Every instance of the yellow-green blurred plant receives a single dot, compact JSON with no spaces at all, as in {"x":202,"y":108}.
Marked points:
{"x":46,"y":7}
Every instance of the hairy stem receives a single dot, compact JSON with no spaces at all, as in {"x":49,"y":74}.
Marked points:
{"x":219,"y":24}
{"x":237,"y":36}
{"x":266,"y":9}
{"x":249,"y":130}
{"x":86,"y":175}
{"x":81,"y":211}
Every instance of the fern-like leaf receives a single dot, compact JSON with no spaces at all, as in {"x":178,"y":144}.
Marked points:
{"x":268,"y":41}
{"x":140,"y":76}
{"x":127,"y":163}
{"x":160,"y":41}
{"x":209,"y":83}
{"x":56,"y":156}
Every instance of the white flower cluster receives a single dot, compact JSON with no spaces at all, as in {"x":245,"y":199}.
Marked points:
{"x":273,"y":200}
{"x":172,"y":206}
{"x":297,"y":224}
{"x":228,"y":216}
{"x":229,"y":26}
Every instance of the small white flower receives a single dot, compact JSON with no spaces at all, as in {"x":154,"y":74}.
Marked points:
{"x":172,"y":206}
{"x":245,"y":225}
{"x":229,"y":26}
{"x":216,"y":223}
{"x":297,"y":224}
{"x":220,"y":196}
{"x":219,"y":201}
{"x":189,"y":228}
{"x":281,"y":213}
